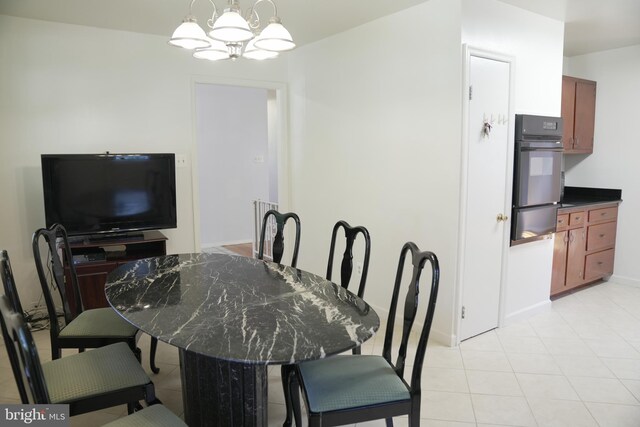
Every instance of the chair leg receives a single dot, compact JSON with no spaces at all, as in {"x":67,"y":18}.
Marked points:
{"x":389,"y":422}
{"x":294,"y":394}
{"x":152,"y":355}
{"x":286,"y":372}
{"x":81,"y":350}
{"x":131,"y":407}
{"x":56,"y":353}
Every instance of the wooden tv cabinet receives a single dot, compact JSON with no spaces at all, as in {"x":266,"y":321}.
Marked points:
{"x":96,"y":258}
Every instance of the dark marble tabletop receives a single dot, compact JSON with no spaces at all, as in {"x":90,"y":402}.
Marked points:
{"x":240,"y":309}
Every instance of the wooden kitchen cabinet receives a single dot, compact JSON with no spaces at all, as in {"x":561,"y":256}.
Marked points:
{"x":578,"y":114}
{"x":584,"y":246}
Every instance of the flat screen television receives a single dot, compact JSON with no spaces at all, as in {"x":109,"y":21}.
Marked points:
{"x":109,"y":193}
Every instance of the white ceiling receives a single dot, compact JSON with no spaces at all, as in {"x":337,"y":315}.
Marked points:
{"x":591,"y":25}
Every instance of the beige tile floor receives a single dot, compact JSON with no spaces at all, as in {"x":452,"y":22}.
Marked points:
{"x":577,"y":364}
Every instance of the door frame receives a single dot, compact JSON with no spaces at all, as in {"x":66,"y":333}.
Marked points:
{"x":281,"y":141}
{"x":467,"y":52}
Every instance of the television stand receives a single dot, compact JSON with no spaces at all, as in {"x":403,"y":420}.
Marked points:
{"x":133,"y":235}
{"x":94,"y":259}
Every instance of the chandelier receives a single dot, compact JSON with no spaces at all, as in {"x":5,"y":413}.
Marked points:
{"x":232,"y":36}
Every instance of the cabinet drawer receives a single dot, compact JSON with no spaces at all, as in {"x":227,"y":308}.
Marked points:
{"x":605,"y":214}
{"x":601,"y":236}
{"x":599,"y":265}
{"x":562,"y":222}
{"x":576,"y":218}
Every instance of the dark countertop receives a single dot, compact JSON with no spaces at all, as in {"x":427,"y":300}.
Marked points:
{"x":240,"y":309}
{"x":582,"y":196}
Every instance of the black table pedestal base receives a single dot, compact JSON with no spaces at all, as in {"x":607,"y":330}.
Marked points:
{"x":220,"y":393}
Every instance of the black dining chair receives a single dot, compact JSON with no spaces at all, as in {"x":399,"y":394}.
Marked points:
{"x":352,"y":389}
{"x":89,"y":381}
{"x":6,"y":274}
{"x":86,"y":328}
{"x":346,"y":272}
{"x":277,"y":249}
{"x":346,"y":266}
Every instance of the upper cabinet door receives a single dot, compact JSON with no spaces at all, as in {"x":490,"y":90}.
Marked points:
{"x":578,"y":113}
{"x":568,"y":111}
{"x":585,"y":116}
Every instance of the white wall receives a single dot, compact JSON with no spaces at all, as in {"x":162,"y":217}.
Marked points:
{"x":375,"y":140}
{"x":536,"y":42}
{"x":614,"y":162}
{"x":231,"y":125}
{"x":74,"y":89}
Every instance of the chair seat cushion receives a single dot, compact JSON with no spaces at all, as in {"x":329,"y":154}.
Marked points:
{"x":344,"y":382}
{"x":94,"y":372}
{"x":153,"y":416}
{"x":98,"y":322}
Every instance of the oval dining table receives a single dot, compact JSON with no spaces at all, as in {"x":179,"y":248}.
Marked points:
{"x":231,"y":316}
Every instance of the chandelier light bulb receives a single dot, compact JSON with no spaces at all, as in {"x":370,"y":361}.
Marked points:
{"x":252,"y":52}
{"x":275,"y":37}
{"x":215,"y":52}
{"x":231,"y":27}
{"x":189,"y":35}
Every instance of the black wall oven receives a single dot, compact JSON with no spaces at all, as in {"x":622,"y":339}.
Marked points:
{"x":537,"y":177}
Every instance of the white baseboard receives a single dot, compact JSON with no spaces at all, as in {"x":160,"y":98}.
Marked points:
{"x":527,"y":312}
{"x":215,"y":245}
{"x":443,"y":338}
{"x":624,"y":280}
{"x":435,"y":335}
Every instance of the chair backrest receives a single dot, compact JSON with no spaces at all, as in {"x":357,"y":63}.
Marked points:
{"x":278,"y":239}
{"x":346,"y":267}
{"x":25,"y":360}
{"x":52,"y":260}
{"x":9,"y":284}
{"x":418,"y":259}
{"x":11,"y":293}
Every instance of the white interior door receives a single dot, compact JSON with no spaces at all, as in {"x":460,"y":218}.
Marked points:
{"x":485,"y":231}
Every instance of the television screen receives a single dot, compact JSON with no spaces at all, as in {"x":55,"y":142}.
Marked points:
{"x":102,"y":193}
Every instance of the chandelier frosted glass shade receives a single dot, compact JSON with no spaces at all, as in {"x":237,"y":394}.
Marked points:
{"x":275,"y":37}
{"x":233,"y":35}
{"x":231,"y":27}
{"x":189,"y":35}
{"x":215,"y":52}
{"x":252,"y":52}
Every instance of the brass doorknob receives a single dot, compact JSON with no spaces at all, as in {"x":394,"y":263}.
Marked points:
{"x":501,"y":217}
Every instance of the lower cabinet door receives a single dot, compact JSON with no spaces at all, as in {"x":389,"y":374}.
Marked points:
{"x":91,"y":280}
{"x":575,"y":257}
{"x":559,"y":272}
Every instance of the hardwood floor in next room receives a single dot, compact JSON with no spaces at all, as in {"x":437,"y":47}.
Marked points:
{"x":244,"y":249}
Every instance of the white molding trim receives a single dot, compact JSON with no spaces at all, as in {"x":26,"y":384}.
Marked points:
{"x":441,"y":337}
{"x":281,"y":138}
{"x":527,"y":312}
{"x":468,"y":52}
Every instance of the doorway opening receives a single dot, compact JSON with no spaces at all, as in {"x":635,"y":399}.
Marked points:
{"x":237,"y":155}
